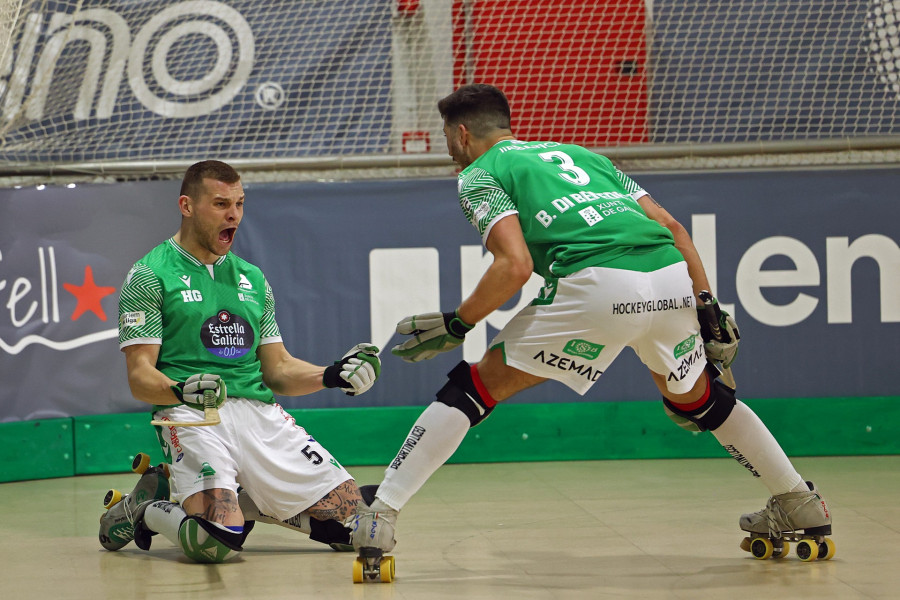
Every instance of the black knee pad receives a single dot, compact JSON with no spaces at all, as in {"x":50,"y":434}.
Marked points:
{"x":328,"y":532}
{"x":368,"y":493}
{"x":714,"y":411}
{"x":204,"y":542}
{"x":460,"y":393}
{"x":248,"y":527}
{"x":229,"y":539}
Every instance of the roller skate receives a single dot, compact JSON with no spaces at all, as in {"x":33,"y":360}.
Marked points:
{"x":800,"y":517}
{"x":121,"y":522}
{"x":373,"y":535}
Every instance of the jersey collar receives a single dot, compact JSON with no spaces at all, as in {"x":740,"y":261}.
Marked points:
{"x":190,"y":257}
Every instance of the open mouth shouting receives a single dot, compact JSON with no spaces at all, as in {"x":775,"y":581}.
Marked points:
{"x":226,"y":236}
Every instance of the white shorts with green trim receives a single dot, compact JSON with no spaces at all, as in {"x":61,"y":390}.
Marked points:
{"x":257,"y":446}
{"x":573,"y":334}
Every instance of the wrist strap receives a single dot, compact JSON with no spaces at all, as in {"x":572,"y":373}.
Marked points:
{"x":456,"y":326}
{"x":331,"y":378}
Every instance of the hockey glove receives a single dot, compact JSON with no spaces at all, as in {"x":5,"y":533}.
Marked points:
{"x":191,"y":391}
{"x":723,"y":350}
{"x":432,"y":333}
{"x":356,"y":371}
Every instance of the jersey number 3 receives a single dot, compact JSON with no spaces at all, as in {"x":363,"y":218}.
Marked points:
{"x":570,"y":172}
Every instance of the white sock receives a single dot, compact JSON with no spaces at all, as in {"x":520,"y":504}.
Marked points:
{"x":165,"y":518}
{"x":749,"y":441}
{"x":434,"y":438}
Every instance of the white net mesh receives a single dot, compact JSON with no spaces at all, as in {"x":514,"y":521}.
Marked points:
{"x":290,"y":84}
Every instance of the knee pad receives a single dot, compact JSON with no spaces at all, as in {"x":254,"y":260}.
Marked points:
{"x":368,"y":493}
{"x":465,"y":392}
{"x":710,"y":414}
{"x":330,"y":532}
{"x":206,"y":542}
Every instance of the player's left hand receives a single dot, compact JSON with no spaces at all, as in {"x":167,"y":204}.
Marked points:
{"x":356,"y":371}
{"x":433,"y":333}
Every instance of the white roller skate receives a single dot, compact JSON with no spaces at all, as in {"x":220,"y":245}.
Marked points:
{"x":372,"y":535}
{"x":123,"y":515}
{"x":800,"y":517}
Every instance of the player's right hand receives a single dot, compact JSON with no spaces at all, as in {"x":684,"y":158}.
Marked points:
{"x":433,"y":333}
{"x":191,"y":390}
{"x":720,"y":350}
{"x":355,"y":373}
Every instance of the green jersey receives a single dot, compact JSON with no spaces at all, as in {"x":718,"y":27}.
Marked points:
{"x":206,"y":318}
{"x":576,"y":208}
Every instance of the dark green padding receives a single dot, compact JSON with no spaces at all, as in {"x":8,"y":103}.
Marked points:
{"x":515,"y":432}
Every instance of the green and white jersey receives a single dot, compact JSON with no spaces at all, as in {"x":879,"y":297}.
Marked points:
{"x":576,"y":208}
{"x":206,"y":318}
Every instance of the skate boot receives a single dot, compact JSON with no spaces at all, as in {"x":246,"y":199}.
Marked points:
{"x":800,"y":517}
{"x":124,"y":516}
{"x":373,"y":535}
{"x":330,"y":532}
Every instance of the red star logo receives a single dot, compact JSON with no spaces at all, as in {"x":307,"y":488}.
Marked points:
{"x":88,"y":295}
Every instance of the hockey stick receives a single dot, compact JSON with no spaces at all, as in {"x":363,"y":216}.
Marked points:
{"x":714,"y":316}
{"x":210,"y":414}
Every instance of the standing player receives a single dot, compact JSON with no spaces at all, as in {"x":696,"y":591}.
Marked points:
{"x":620,"y":271}
{"x":193,"y":316}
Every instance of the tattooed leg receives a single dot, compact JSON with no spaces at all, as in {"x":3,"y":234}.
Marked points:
{"x":338,"y":504}
{"x":217,"y":505}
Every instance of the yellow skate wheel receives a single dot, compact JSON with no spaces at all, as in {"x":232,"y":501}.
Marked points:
{"x":358,"y":565}
{"x":164,"y":467}
{"x":112,"y":498}
{"x":782,"y":552}
{"x":387,"y":569}
{"x":807,"y":550}
{"x":827,"y":549}
{"x":140,"y":463}
{"x":761,"y":548}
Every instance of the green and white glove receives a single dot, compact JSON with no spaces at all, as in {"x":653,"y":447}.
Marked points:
{"x":191,"y":390}
{"x":433,"y":333}
{"x":356,"y":371}
{"x":720,"y":350}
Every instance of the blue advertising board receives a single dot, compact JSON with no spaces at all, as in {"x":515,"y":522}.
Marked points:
{"x":807,"y":261}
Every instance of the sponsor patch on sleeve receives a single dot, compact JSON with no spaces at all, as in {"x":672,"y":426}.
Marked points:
{"x":132,"y":319}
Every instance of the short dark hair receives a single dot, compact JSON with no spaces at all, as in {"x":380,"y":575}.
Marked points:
{"x":207,"y":169}
{"x":480,"y":107}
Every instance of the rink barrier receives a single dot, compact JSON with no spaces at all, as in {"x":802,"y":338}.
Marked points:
{"x":97,"y":444}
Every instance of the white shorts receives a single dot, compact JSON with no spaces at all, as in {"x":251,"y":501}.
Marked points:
{"x":257,"y":446}
{"x":573,"y":333}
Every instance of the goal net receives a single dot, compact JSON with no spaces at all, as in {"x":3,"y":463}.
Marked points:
{"x":147,"y":85}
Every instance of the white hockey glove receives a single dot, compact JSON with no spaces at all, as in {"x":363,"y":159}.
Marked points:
{"x":191,"y":390}
{"x":433,"y":333}
{"x":724,"y":352}
{"x":356,"y":371}
{"x":721,"y":345}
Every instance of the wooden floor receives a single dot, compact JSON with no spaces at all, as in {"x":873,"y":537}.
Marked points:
{"x":607,"y":529}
